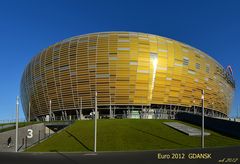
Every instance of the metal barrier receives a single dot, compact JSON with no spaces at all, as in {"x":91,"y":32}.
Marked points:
{"x":12,"y":121}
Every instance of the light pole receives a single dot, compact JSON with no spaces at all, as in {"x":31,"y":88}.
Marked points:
{"x":202,"y":137}
{"x":95,"y":125}
{"x":16,"y":139}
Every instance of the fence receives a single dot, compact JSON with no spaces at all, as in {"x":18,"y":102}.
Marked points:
{"x":8,"y":121}
{"x":40,"y":137}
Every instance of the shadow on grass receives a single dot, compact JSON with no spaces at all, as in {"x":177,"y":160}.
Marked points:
{"x":79,"y":141}
{"x":145,"y":132}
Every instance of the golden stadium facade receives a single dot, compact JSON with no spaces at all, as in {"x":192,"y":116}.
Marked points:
{"x":129,"y":71}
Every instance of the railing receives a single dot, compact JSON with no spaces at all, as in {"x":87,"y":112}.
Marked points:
{"x":12,"y":121}
{"x":41,"y":136}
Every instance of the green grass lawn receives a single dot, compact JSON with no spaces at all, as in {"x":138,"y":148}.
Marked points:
{"x":127,"y":135}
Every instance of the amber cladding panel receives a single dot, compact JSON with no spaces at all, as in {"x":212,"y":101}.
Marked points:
{"x":130,"y":68}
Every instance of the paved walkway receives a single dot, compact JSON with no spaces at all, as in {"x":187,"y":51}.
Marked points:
{"x":186,"y":129}
{"x":38,"y":132}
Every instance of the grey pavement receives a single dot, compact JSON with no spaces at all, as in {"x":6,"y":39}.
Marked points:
{"x":39,"y":132}
{"x":186,"y":129}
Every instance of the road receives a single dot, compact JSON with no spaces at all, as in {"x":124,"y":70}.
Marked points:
{"x":211,"y":155}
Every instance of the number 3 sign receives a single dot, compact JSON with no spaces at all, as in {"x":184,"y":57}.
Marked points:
{"x":30,"y":133}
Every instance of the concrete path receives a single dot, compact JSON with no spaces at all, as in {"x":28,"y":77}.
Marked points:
{"x":186,"y":129}
{"x":38,"y":132}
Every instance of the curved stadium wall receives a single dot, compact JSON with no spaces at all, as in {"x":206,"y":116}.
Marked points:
{"x":129,"y":71}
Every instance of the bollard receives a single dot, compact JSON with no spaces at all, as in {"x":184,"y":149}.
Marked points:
{"x":25,"y":142}
{"x":22,"y":144}
{"x":38,"y":136}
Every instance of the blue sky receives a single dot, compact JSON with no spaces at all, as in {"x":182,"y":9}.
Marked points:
{"x":28,"y":26}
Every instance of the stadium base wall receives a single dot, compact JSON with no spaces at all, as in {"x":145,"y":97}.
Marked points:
{"x":226,"y":127}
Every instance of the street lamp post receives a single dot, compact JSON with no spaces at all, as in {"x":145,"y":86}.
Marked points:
{"x":95,"y":125}
{"x":202,"y":137}
{"x":16,"y":139}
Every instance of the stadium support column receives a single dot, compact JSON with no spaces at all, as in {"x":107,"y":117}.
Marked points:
{"x":80,"y":112}
{"x":114,"y":111}
{"x":238,"y":111}
{"x":95,"y":125}
{"x":110,"y":107}
{"x":50,"y":110}
{"x":29,"y":111}
{"x":77,"y":113}
{"x":170,"y":111}
{"x":16,"y":139}
{"x":202,"y":119}
{"x":212,"y":109}
{"x":194,"y":110}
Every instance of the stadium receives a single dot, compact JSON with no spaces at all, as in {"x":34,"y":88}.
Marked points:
{"x":135,"y":75}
